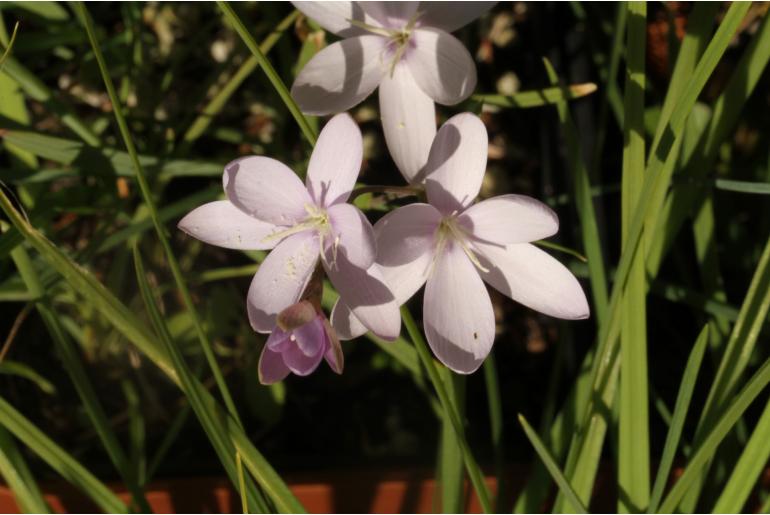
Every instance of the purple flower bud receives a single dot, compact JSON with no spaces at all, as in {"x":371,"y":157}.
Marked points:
{"x":302,"y":338}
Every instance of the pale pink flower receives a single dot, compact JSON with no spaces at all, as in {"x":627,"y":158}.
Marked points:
{"x":404,"y":48}
{"x":453,"y":245}
{"x":298,"y":343}
{"x":268,"y":207}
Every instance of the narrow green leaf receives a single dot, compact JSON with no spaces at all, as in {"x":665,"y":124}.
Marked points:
{"x":267,"y":67}
{"x":495,"y":404}
{"x":552,"y":467}
{"x":683,"y":399}
{"x":538,"y":97}
{"x":584,"y":205}
{"x":753,"y":388}
{"x":15,"y":368}
{"x":58,"y":459}
{"x":760,"y":188}
{"x":9,"y":46}
{"x":633,"y":404}
{"x":218,"y":101}
{"x":18,"y":477}
{"x":747,"y":471}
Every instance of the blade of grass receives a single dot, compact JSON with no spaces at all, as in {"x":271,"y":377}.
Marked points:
{"x":159,"y":228}
{"x":451,"y":473}
{"x":37,"y":90}
{"x":748,"y":468}
{"x":683,"y":399}
{"x":18,"y":477}
{"x":633,"y":418}
{"x":77,"y":374}
{"x":738,"y":352}
{"x":584,"y":205}
{"x":538,"y":97}
{"x":217,"y":102}
{"x":450,"y":410}
{"x":9,"y":46}
{"x":267,"y":67}
{"x":759,"y":188}
{"x":553,"y":468}
{"x":753,"y":388}
{"x":58,"y":459}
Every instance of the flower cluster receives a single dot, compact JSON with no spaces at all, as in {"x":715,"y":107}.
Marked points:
{"x":451,"y":244}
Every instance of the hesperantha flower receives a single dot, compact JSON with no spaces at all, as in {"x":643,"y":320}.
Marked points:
{"x":453,"y":246}
{"x":404,"y":48}
{"x":268,"y":207}
{"x":301,"y":339}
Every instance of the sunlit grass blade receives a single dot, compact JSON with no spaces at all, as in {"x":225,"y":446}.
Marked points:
{"x":633,"y":423}
{"x":758,"y":188}
{"x":37,"y":90}
{"x":748,"y":469}
{"x":77,"y":373}
{"x":218,"y":101}
{"x":584,"y":205}
{"x":538,"y":97}
{"x":80,"y":159}
{"x":9,"y":46}
{"x":553,"y":468}
{"x":267,"y":67}
{"x":186,"y":377}
{"x":450,"y":411}
{"x":58,"y":459}
{"x":717,"y":432}
{"x":674,"y":435}
{"x":727,"y":109}
{"x":144,"y":186}
{"x":15,"y":471}
{"x":739,"y":348}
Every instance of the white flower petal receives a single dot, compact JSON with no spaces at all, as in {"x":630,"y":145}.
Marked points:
{"x":392,"y":15}
{"x":266,"y":189}
{"x":531,"y":277}
{"x":441,"y":65}
{"x":222,"y":224}
{"x":510,"y":219}
{"x":335,"y":161}
{"x":406,"y":246}
{"x":353,"y":235}
{"x":341,"y":75}
{"x":345,"y":323}
{"x":408,"y":121}
{"x":450,"y":16}
{"x":281,"y":279}
{"x":367,"y":295}
{"x":457,"y":313}
{"x":335,"y":16}
{"x":456,"y":163}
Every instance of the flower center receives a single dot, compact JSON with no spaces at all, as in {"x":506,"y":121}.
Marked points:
{"x":450,"y":230}
{"x":317,"y":219}
{"x":398,"y":38}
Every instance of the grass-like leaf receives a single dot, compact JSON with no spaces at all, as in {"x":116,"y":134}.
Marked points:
{"x":538,"y":97}
{"x":674,"y":435}
{"x":553,"y":468}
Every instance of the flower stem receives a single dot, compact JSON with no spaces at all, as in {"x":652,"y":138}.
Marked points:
{"x":450,"y":410}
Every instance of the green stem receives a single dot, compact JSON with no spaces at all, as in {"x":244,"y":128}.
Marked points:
{"x":450,"y":410}
{"x":272,"y":75}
